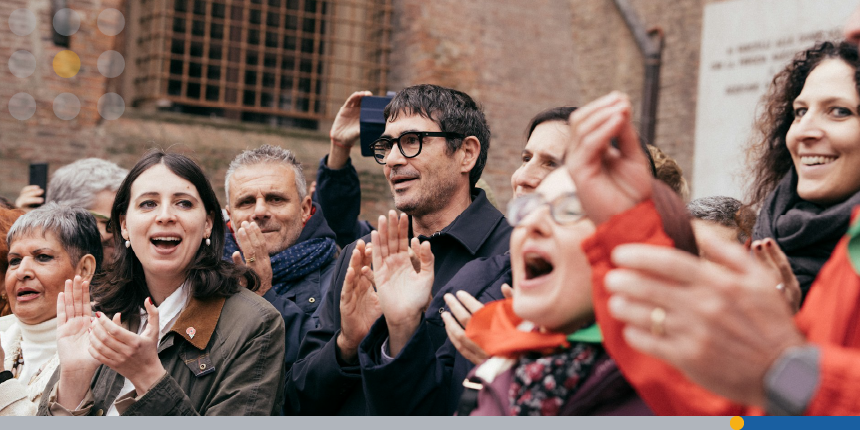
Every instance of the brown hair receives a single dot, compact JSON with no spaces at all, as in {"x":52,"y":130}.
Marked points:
{"x":124,"y":287}
{"x":7,"y":218}
{"x":669,"y":172}
{"x":768,"y":155}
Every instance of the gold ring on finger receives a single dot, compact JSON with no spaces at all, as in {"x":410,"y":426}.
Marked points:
{"x":252,"y":259}
{"x":658,"y":321}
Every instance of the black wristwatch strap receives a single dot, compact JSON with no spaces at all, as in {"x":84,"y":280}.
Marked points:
{"x":792,"y":380}
{"x":5,"y":376}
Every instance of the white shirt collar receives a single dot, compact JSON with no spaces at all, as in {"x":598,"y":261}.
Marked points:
{"x":168,"y":310}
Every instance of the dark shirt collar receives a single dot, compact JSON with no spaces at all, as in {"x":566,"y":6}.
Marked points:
{"x":472,"y":227}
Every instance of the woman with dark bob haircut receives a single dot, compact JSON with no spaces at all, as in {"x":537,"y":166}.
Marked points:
{"x":177,"y":330}
{"x":804,"y":160}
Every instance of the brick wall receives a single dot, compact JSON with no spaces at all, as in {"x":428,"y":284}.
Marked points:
{"x":44,"y":137}
{"x":514,"y":57}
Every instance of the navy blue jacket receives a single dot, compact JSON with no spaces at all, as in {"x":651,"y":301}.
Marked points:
{"x":319,"y":383}
{"x":338,"y":193}
{"x":426,"y":377}
{"x":299,"y":305}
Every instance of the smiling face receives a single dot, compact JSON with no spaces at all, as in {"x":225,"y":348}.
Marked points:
{"x":542,"y":154}
{"x":266,"y":194}
{"x":424,"y":184}
{"x":166,"y":223}
{"x":551,"y":274}
{"x":38,"y":269}
{"x":824,"y":139}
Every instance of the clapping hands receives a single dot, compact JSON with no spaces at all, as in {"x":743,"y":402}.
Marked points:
{"x":85,"y":342}
{"x":404,"y":292}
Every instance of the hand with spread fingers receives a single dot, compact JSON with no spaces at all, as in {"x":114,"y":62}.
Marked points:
{"x":462,"y":307}
{"x":703,"y":317}
{"x":359,"y":304}
{"x":767,"y":251}
{"x":404,"y":293}
{"x":132,"y":355}
{"x":253,"y":245}
{"x":74,"y":319}
{"x":609,"y":180}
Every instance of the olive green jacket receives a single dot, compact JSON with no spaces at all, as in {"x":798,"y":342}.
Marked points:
{"x":222,"y":356}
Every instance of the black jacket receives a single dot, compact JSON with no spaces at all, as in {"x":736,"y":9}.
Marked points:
{"x":426,"y":378}
{"x":300,"y":303}
{"x":318,"y":384}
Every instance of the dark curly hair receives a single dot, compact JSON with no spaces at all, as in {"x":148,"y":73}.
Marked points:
{"x":123,"y":287}
{"x":768,"y":155}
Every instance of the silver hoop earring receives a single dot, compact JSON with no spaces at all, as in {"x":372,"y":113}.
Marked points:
{"x":127,"y":244}
{"x":208,"y":242}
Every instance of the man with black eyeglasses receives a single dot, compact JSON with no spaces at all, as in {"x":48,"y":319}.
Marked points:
{"x":433,"y":151}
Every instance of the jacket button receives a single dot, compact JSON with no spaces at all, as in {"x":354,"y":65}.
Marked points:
{"x":202,"y":366}
{"x":312,"y":300}
{"x":441,"y":310}
{"x":100,"y":412}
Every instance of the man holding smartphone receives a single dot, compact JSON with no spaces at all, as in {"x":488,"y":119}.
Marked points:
{"x":432,"y":154}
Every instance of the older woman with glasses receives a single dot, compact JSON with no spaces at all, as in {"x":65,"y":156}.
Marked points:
{"x":47,"y":248}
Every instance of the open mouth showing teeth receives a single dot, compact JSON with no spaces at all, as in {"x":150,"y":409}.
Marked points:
{"x":817,"y":160}
{"x":165,"y":242}
{"x":537,"y":266}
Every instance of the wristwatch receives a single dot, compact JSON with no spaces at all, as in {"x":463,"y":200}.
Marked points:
{"x":792,"y":380}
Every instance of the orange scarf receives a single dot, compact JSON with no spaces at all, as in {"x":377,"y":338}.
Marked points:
{"x":494,"y":329}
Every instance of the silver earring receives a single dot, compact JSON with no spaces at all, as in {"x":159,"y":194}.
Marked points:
{"x":208,"y":242}
{"x":127,"y":244}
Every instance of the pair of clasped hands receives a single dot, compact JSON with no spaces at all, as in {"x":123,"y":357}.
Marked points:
{"x":86,"y":340}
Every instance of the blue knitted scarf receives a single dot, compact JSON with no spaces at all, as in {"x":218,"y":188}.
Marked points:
{"x":295,"y":262}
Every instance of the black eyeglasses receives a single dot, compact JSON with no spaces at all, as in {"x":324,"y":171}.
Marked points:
{"x":409,"y":143}
{"x":564,"y":209}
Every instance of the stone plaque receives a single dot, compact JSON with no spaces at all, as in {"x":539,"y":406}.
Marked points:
{"x":744,"y":44}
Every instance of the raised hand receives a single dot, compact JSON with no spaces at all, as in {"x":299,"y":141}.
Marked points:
{"x":359,"y":305}
{"x":345,"y":130}
{"x":768,"y":252}
{"x":404,"y":293}
{"x":346,"y":127}
{"x":2,"y":356}
{"x":608,"y":180}
{"x":30,"y":196}
{"x":74,"y":319}
{"x":132,"y":355}
{"x":253,"y":244}
{"x":462,"y":307}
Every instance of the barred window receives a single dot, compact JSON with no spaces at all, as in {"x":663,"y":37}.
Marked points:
{"x":280,"y":62}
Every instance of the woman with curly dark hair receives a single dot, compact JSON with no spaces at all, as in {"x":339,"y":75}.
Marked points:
{"x":805,"y":160}
{"x":177,"y":331}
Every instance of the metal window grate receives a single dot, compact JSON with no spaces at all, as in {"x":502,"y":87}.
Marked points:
{"x":280,"y":62}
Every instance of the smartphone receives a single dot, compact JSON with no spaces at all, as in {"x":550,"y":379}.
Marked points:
{"x":372,"y":121}
{"x":39,"y":176}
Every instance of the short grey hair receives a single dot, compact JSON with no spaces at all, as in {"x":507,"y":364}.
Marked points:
{"x":78,"y":183}
{"x":268,"y":154}
{"x":721,"y":210}
{"x":74,"y":227}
